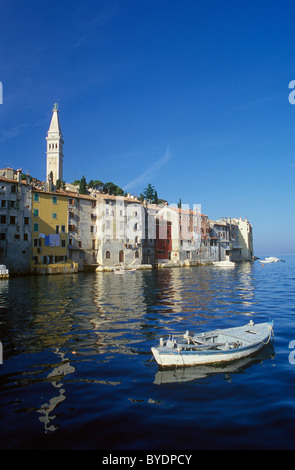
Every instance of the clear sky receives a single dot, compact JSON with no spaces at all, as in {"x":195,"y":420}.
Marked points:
{"x":190,"y":96}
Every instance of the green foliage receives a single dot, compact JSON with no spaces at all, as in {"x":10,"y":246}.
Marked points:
{"x":83,"y":186}
{"x":113,"y":189}
{"x":151,"y":195}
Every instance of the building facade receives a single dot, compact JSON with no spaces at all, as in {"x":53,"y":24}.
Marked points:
{"x":50,"y":233}
{"x":82,"y":230}
{"x":15,"y":224}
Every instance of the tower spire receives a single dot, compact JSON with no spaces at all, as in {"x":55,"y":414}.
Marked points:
{"x":54,"y":148}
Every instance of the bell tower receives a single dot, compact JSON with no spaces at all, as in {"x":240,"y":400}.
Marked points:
{"x":54,"y":152}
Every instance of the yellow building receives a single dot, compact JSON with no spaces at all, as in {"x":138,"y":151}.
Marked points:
{"x":50,"y":232}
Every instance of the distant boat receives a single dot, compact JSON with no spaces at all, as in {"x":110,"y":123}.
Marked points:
{"x":4,"y":272}
{"x":224,"y":264}
{"x":269,"y":259}
{"x":213,"y":347}
{"x":124,"y":271}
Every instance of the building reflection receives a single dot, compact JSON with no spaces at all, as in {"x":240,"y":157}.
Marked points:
{"x":57,"y":378}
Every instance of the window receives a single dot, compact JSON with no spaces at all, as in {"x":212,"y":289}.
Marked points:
{"x":36,"y":197}
{"x":63,"y":243}
{"x":3,"y":219}
{"x":2,"y":236}
{"x":54,"y":215}
{"x":108,"y":255}
{"x":54,"y":199}
{"x":36,"y":212}
{"x":26,"y":220}
{"x":36,"y":242}
{"x":3,"y":203}
{"x":26,"y":237}
{"x":12,"y":220}
{"x":63,"y":229}
{"x":70,"y":241}
{"x":13,"y":188}
{"x":137,"y":254}
{"x":36,"y":227}
{"x":17,"y":236}
{"x":57,"y":229}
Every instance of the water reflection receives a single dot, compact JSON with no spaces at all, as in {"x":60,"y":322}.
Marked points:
{"x":86,"y":327}
{"x":56,"y":378}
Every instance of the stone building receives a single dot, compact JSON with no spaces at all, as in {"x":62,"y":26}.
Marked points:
{"x":15,"y":223}
{"x":82,"y":229}
{"x":120,"y":229}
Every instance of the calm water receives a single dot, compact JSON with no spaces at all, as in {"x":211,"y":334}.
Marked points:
{"x":77,"y":370}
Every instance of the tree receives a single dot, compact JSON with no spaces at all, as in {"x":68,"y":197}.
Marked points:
{"x":58,"y":184}
{"x":98,"y":184}
{"x":149,"y":192}
{"x":112,"y":188}
{"x":83,"y":186}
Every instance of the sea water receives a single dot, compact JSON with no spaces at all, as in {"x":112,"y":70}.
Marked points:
{"x":78,"y":372}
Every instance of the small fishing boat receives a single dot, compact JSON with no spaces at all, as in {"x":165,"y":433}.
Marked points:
{"x":213,"y":347}
{"x":4,"y":272}
{"x":224,"y":264}
{"x":124,"y":271}
{"x":269,"y":259}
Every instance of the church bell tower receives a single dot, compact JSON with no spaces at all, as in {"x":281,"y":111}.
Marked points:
{"x":54,"y":152}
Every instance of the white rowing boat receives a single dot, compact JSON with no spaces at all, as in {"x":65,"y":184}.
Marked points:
{"x":124,"y":271}
{"x":224,"y":264}
{"x":269,"y":259}
{"x":213,"y":347}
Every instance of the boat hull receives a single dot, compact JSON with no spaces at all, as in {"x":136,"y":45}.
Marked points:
{"x":224,"y":264}
{"x":184,"y":358}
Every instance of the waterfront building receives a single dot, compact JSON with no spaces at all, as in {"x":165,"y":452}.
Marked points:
{"x":54,"y":163}
{"x":245,"y":237}
{"x":50,"y":232}
{"x":82,"y":229}
{"x":15,"y":222}
{"x":185,"y":232}
{"x":120,"y":229}
{"x":45,"y":230}
{"x":163,"y":242}
{"x":220,"y":231}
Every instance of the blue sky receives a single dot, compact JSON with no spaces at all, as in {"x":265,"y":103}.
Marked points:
{"x":190,"y":96}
